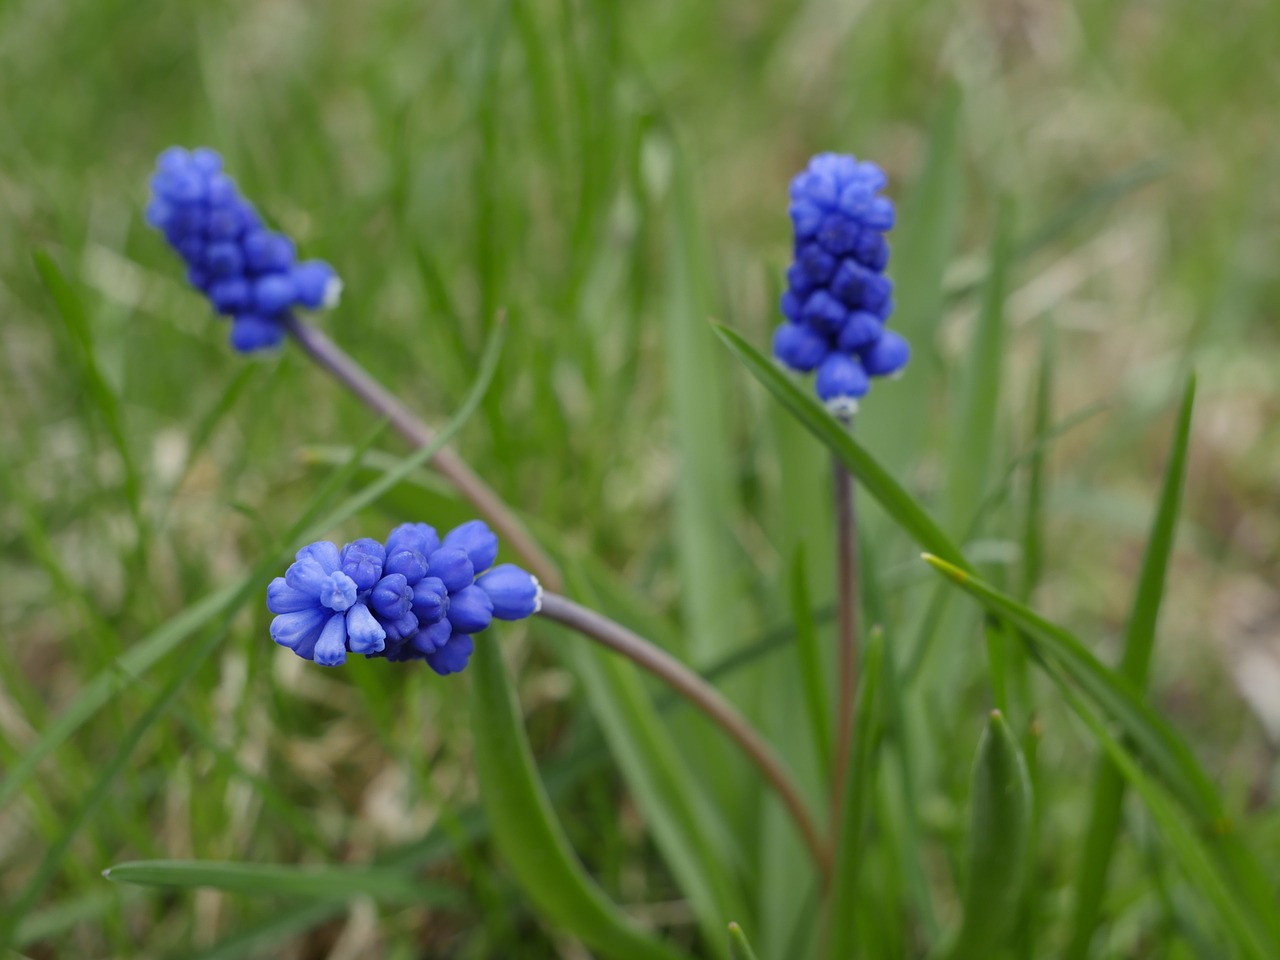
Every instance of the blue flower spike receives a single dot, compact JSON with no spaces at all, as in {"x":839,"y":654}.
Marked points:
{"x":249,"y":273}
{"x":838,"y":299}
{"x":414,"y":597}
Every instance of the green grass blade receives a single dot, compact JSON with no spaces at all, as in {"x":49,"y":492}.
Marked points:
{"x":813,"y":673}
{"x":1141,"y":634}
{"x":999,"y":840}
{"x":285,"y":881}
{"x":977,"y":406}
{"x":685,"y":827}
{"x":1033,"y":514}
{"x":873,"y":477}
{"x":266,"y":939}
{"x":156,"y":645}
{"x":1108,"y":789}
{"x":1152,"y":736}
{"x":922,"y":249}
{"x":95,"y":694}
{"x":96,"y":386}
{"x":588,"y":758}
{"x":1188,"y":845}
{"x":160,"y":704}
{"x":842,"y":933}
{"x":704,"y":485}
{"x":62,"y":916}
{"x":1113,"y":694}
{"x":739,"y":946}
{"x":526,"y":830}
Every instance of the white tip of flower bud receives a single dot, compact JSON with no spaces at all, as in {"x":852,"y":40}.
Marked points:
{"x":537,"y":597}
{"x":843,"y":407}
{"x":332,"y":293}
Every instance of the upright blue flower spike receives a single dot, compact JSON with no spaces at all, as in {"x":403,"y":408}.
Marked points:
{"x":838,"y":299}
{"x":248,"y":272}
{"x":416,"y":597}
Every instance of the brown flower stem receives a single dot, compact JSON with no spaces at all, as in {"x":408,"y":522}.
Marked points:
{"x":452,"y":467}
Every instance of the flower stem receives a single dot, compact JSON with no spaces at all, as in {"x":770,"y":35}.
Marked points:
{"x":376,"y":397}
{"x":846,"y":628}
{"x":703,"y":696}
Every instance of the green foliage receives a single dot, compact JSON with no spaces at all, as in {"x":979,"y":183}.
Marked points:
{"x":999,"y":840}
{"x":613,"y":175}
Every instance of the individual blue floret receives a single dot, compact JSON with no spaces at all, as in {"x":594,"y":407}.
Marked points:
{"x":837,"y":298}
{"x":248,"y":272}
{"x":415,"y":597}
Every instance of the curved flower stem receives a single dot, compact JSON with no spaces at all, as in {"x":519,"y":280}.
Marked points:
{"x":703,"y":696}
{"x":846,"y":627}
{"x":376,"y":397}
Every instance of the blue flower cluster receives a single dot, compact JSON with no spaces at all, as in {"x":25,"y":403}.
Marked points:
{"x":248,"y":272}
{"x":417,"y":597}
{"x":838,"y":298}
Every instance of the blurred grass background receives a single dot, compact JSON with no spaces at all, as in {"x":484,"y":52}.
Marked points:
{"x":611,"y":175}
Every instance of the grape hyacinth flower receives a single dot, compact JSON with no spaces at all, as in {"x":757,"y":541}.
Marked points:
{"x":838,"y":299}
{"x":416,"y":597}
{"x":248,"y":272}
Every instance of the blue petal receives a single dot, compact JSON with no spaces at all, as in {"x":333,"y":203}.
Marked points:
{"x":841,"y":383}
{"x":266,"y":252}
{"x":273,"y":293}
{"x":324,"y":553}
{"x":887,"y":356}
{"x":799,"y":347}
{"x":861,"y":330}
{"x":339,"y":592}
{"x":364,"y":632}
{"x":476,"y":540}
{"x":431,"y":638}
{"x":331,"y":648}
{"x":307,"y":576}
{"x":430,"y":600}
{"x":316,"y":283}
{"x":453,"y":657}
{"x":421,"y":537}
{"x":453,"y":567}
{"x":470,"y":610}
{"x":391,"y":597}
{"x":408,"y":563}
{"x":250,"y":332}
{"x":298,"y":631}
{"x":515,"y":593}
{"x":282,"y":598}
{"x":362,"y":561}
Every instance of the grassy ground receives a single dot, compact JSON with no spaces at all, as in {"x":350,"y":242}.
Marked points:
{"x":611,"y":175}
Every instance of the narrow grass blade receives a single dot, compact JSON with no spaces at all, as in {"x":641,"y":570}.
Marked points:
{"x":59,"y":918}
{"x":812,"y":668}
{"x":739,"y":946}
{"x":1114,"y":694}
{"x":95,"y":384}
{"x":284,"y":880}
{"x":843,"y":908}
{"x":1248,"y":930}
{"x":307,"y":527}
{"x":999,"y":838}
{"x":874,"y":478}
{"x":1152,"y":736}
{"x":526,"y":830}
{"x":1108,"y":789}
{"x":977,"y":406}
{"x":704,"y":488}
{"x":95,"y":694}
{"x":1033,"y":514}
{"x":588,"y":758}
{"x":922,"y":249}
{"x":687,"y":828}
